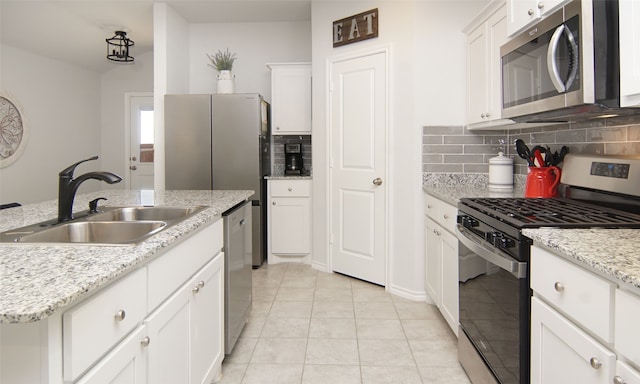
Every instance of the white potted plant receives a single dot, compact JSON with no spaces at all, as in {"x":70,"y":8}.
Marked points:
{"x":223,"y":62}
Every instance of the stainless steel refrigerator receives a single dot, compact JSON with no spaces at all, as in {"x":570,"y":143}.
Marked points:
{"x":221,"y":142}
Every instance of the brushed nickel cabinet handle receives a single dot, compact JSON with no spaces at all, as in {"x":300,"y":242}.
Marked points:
{"x":558,"y":286}
{"x":145,"y":342}
{"x":595,"y":363}
{"x":120,"y":315}
{"x":619,"y":380}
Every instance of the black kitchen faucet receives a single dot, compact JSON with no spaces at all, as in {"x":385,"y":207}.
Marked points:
{"x":68,"y":186}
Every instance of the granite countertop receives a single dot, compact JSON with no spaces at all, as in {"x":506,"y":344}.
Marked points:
{"x":611,"y":253}
{"x":36,"y":280}
{"x":288,"y":177}
{"x":451,"y":187}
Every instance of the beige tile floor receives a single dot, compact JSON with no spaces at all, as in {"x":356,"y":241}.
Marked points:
{"x":311,"y":327}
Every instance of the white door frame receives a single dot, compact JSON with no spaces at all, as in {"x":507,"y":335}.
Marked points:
{"x":127,"y":130}
{"x":386,"y":50}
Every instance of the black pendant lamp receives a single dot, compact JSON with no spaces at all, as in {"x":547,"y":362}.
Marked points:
{"x":118,"y":48}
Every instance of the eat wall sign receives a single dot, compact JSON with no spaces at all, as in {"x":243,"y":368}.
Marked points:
{"x":355,"y":28}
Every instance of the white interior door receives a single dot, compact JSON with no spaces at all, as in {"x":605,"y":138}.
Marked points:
{"x":358,"y":116}
{"x":141,"y":148}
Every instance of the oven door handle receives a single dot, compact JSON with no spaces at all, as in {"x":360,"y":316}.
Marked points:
{"x":492,"y":255}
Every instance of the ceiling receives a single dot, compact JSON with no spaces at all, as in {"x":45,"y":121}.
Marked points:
{"x":75,"y":31}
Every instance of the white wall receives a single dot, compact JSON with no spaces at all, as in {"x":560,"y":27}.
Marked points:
{"x":114,"y":85}
{"x":254,"y":44}
{"x":61,"y":106}
{"x":427,"y":51}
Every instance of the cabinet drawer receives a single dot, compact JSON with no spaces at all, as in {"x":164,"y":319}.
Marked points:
{"x":290,"y":188}
{"x":172,"y":269}
{"x":581,"y":295}
{"x":627,"y":330}
{"x":94,"y":326}
{"x":442,"y":213}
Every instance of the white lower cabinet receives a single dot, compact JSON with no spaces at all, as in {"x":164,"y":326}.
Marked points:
{"x":583,"y":328}
{"x":185,"y":332}
{"x":125,"y":364}
{"x":441,"y":248}
{"x":562,"y":353}
{"x":160,"y":324}
{"x":289,"y":221}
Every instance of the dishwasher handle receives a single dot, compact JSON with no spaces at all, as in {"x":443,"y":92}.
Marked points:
{"x":491,"y":254}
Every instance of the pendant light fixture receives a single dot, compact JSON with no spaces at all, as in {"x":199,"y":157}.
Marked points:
{"x":118,"y":48}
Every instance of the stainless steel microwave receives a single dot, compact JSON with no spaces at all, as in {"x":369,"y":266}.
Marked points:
{"x":564,"y":67}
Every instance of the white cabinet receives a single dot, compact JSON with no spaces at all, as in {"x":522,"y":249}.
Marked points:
{"x":562,"y":353}
{"x":629,"y":53}
{"x":160,"y":323}
{"x":185,"y":332}
{"x":290,"y":98}
{"x":484,"y":102}
{"x":125,"y":364}
{"x":523,"y":13}
{"x":441,"y":248}
{"x":583,"y":328}
{"x":289,"y":220}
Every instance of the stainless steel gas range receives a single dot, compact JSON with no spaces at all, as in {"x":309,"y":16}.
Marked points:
{"x":494,"y":337}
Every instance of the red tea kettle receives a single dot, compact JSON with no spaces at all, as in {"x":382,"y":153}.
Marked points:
{"x":542,"y":182}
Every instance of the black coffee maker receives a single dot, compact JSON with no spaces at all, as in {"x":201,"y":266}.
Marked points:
{"x":293,"y":158}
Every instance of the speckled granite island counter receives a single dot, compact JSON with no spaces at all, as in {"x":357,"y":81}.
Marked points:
{"x":38,"y":280}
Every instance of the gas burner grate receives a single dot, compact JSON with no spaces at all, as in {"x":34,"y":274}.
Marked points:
{"x":556,"y":212}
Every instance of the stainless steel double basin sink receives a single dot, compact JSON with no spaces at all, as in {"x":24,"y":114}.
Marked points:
{"x":110,"y":226}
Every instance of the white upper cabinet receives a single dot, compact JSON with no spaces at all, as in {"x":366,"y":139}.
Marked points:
{"x":523,"y":13}
{"x":290,"y":98}
{"x":484,"y":67}
{"x":629,"y":53}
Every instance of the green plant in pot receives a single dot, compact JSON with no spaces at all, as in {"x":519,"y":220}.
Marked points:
{"x":223,"y":62}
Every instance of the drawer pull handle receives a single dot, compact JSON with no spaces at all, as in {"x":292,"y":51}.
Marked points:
{"x":595,"y":363}
{"x":274,"y":203}
{"x":290,"y":189}
{"x":446,"y":216}
{"x":619,"y":380}
{"x":530,"y":12}
{"x":429,"y":206}
{"x":558,"y":286}
{"x":198,"y":287}
{"x":145,"y":342}
{"x":120,"y":315}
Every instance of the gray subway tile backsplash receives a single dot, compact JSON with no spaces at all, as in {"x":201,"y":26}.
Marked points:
{"x":454,"y":149}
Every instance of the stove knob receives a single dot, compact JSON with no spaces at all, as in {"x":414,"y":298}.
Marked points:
{"x":505,"y":242}
{"x":468,"y":222}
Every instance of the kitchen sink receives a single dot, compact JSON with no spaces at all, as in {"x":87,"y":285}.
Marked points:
{"x":144,"y":213}
{"x":110,"y":226}
{"x":94,"y":232}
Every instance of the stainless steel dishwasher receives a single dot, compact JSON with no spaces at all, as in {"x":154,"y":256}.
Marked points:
{"x":237,"y":267}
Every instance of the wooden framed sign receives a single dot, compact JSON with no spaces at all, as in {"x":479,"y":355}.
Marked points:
{"x":355,"y":28}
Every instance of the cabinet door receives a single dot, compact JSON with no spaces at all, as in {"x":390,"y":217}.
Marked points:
{"x":497,"y":36}
{"x":629,"y":53}
{"x":563,"y":353}
{"x":290,"y":225}
{"x":433,"y":249}
{"x":168,"y":329}
{"x":625,"y":374}
{"x":207,"y":310}
{"x":478,"y":82}
{"x":291,"y":99}
{"x":520,"y":14}
{"x":125,"y":364}
{"x":449,"y":307}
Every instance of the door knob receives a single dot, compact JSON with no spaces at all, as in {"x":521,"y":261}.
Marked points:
{"x":377,"y":181}
{"x":133,"y":167}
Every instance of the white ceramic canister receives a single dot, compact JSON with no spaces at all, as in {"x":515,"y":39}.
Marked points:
{"x":501,"y":172}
